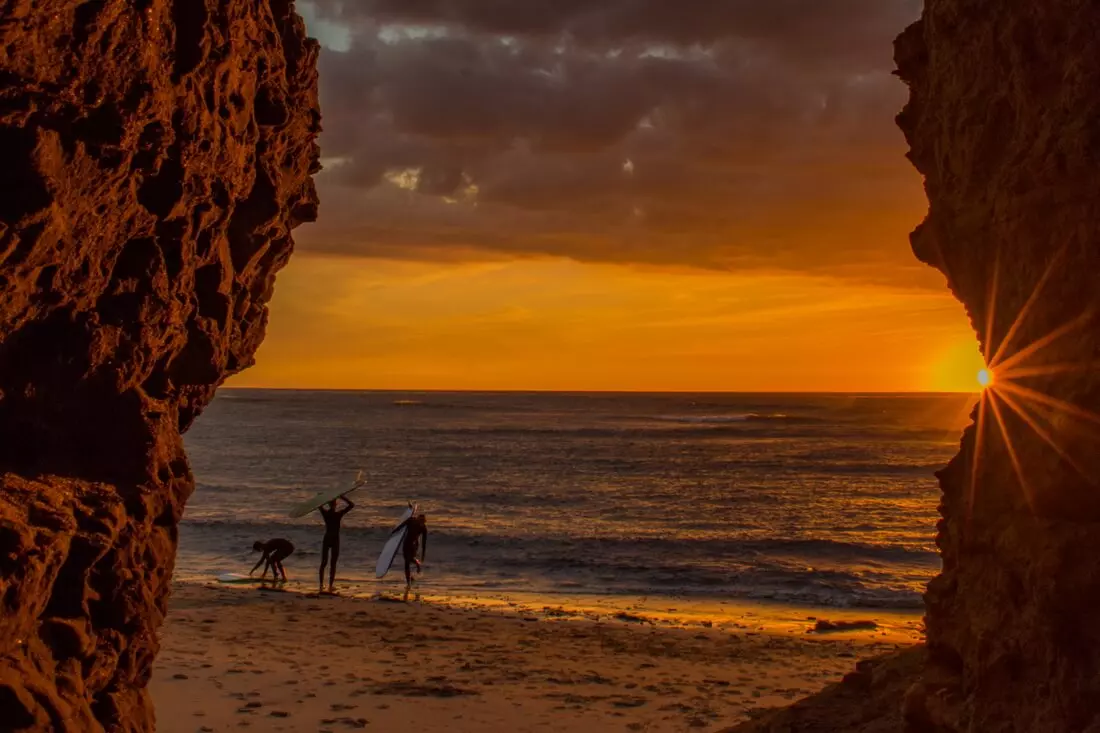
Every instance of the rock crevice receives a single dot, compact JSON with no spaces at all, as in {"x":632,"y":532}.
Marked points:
{"x":157,"y":155}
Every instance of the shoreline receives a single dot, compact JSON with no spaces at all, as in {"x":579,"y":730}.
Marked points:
{"x":241,"y":657}
{"x":733,"y":614}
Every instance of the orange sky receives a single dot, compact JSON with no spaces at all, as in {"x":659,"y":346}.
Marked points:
{"x":612,"y":195}
{"x":559,"y":325}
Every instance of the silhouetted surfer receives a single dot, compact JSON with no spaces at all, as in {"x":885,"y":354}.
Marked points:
{"x":330,"y":545}
{"x":274,"y":552}
{"x":417,"y":528}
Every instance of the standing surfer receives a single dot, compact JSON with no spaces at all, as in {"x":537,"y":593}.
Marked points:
{"x":330,"y":545}
{"x":274,"y":552}
{"x":417,"y":528}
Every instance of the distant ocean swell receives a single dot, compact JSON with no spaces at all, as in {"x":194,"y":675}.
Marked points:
{"x":741,"y":429}
{"x":749,"y":417}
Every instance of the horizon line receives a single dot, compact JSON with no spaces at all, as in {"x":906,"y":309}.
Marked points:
{"x":606,"y":391}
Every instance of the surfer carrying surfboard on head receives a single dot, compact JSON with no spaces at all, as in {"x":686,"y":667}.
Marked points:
{"x":417,"y":528}
{"x":274,"y":552}
{"x":330,"y":545}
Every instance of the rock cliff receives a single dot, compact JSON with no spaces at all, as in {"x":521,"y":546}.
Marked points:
{"x":154,"y":157}
{"x":1003,"y":121}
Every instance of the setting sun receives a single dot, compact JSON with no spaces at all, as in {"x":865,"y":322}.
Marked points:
{"x":985,"y":378}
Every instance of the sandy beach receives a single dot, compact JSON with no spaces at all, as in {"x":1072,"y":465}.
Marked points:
{"x":268,"y":660}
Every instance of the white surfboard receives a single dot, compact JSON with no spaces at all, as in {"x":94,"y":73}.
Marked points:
{"x":393,"y":544}
{"x":237,"y":578}
{"x":324,"y":497}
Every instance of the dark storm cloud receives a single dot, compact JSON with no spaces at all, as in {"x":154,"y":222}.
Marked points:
{"x":744,"y":133}
{"x":800,"y":27}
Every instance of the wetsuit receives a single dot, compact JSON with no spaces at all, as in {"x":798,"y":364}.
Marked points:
{"x":417,"y":528}
{"x":274,"y":552}
{"x":330,"y":545}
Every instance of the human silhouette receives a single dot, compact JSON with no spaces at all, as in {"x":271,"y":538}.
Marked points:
{"x":274,"y":552}
{"x":330,"y":545}
{"x":417,"y":529}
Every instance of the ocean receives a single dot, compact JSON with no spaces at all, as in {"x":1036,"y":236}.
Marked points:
{"x":811,"y":500}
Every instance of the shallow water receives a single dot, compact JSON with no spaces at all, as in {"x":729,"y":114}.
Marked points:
{"x":822,"y":500}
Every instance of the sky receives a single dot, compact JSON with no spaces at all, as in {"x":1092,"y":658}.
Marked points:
{"x":613,"y":195}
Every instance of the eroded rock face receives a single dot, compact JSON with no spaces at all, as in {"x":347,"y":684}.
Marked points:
{"x":154,"y":157}
{"x":1004,"y":123}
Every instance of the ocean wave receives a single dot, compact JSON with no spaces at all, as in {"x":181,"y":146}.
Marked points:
{"x":768,"y":581}
{"x":883,"y":598}
{"x":876,"y":469}
{"x":627,"y":554}
{"x":842,"y":550}
{"x":652,"y":429}
{"x":431,"y":405}
{"x":778,"y":417}
{"x":809,"y":571}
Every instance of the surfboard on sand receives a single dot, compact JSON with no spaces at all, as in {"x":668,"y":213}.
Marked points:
{"x":237,"y":578}
{"x":393,"y":544}
{"x":320,"y":499}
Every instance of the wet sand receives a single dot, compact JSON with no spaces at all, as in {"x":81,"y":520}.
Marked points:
{"x":244,"y":658}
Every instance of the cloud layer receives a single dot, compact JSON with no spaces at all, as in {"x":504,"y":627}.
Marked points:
{"x":725,"y":134}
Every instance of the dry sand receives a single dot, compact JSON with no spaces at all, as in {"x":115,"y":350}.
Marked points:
{"x":243,"y":658}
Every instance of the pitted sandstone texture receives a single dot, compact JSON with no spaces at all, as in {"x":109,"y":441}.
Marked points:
{"x":154,"y":157}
